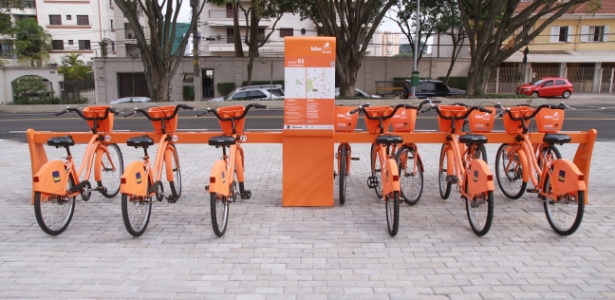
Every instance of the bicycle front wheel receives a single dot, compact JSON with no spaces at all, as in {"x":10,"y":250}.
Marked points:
{"x":343,"y":172}
{"x":392,"y":210}
{"x":443,"y":183}
{"x":54,"y":213}
{"x":509,"y":172}
{"x":175,"y":183}
{"x":219,"y":213}
{"x":376,"y":171}
{"x":480,"y":212}
{"x":112,"y":169}
{"x":136,"y":212}
{"x":565,"y":213}
{"x":410,"y":174}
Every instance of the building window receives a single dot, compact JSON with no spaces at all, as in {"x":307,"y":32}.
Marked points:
{"x":286,"y":32}
{"x":57,"y":45}
{"x":70,"y":42}
{"x":84,"y":45}
{"x":83,"y":20}
{"x":69,"y":17}
{"x":561,"y":34}
{"x":594,"y":33}
{"x":55,"y":20}
{"x":111,"y":24}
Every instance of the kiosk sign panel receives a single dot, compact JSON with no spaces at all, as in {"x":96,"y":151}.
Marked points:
{"x":309,"y":89}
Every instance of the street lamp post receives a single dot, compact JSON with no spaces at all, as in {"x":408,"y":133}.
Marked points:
{"x":415,"y":73}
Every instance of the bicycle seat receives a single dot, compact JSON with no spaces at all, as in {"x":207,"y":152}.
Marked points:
{"x":473,"y":139}
{"x":61,"y":141}
{"x":556,"y":138}
{"x":222,"y":140}
{"x":140,"y":141}
{"x":389,"y":139}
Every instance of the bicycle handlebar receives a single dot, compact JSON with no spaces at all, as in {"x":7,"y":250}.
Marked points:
{"x":468,"y":112}
{"x":243,"y":115}
{"x":505,"y":110}
{"x":146,"y":114}
{"x":80,"y":113}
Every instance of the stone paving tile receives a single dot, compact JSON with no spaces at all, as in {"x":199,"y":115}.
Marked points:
{"x":273,"y":252}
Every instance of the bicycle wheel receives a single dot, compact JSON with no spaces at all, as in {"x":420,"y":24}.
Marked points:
{"x":176,"y":183}
{"x":547,"y":153}
{"x":343,"y":173}
{"x":111,"y":176}
{"x":376,"y":171}
{"x":410,"y":174}
{"x":54,"y":214}
{"x":509,"y":172}
{"x":480,"y":212}
{"x":219,"y":213}
{"x":445,"y":185}
{"x":566,"y":213}
{"x":392,"y":210}
{"x":136,"y":211}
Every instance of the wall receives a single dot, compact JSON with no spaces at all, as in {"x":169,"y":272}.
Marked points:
{"x":9,"y":74}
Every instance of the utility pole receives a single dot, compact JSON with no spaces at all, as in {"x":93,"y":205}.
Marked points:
{"x":417,"y":41}
{"x":196,"y":39}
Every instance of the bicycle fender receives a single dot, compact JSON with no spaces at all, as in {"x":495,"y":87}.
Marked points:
{"x":480,"y":179}
{"x":566,"y":177}
{"x":134,"y":180}
{"x":51,"y":178}
{"x":219,"y":179}
{"x":392,"y":177}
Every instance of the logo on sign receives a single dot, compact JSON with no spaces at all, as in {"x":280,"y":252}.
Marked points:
{"x":475,"y":176}
{"x":561,"y":176}
{"x":56,"y":176}
{"x":138,"y":177}
{"x":325,"y":49}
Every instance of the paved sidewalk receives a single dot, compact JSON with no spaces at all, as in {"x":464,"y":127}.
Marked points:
{"x":271,"y":252}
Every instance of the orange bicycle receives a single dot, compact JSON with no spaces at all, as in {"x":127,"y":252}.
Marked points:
{"x":226,"y":180}
{"x":558,"y":182}
{"x":344,"y":122}
{"x":462,"y":162}
{"x":57,"y":183}
{"x":141,"y":182}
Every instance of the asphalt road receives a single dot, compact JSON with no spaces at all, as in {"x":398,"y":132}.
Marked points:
{"x":13,"y":126}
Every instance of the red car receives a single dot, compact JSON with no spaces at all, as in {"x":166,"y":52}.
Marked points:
{"x":547,"y":87}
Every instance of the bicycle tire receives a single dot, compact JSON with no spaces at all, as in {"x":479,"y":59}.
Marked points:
{"x":60,"y":211}
{"x":509,"y":180}
{"x":219,"y":220}
{"x":111,"y":177}
{"x":136,"y":212}
{"x":410,"y":183}
{"x":479,"y":221}
{"x":392,"y":212}
{"x":176,"y":183}
{"x":558,"y":214}
{"x":376,"y":171}
{"x":443,"y":184}
{"x":343,"y":173}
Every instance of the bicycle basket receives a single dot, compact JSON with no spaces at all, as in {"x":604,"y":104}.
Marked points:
{"x":404,"y":120}
{"x":456,"y":111}
{"x":377,"y":111}
{"x":514,"y":127}
{"x":170,"y":125}
{"x":345,"y":122}
{"x":229,"y":112}
{"x":104,"y":125}
{"x":481,"y":122}
{"x":549,"y":120}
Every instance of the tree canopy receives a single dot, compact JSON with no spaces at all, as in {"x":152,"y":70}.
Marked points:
{"x":32,"y":42}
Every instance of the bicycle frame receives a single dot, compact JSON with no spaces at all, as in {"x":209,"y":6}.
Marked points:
{"x":477,"y":175}
{"x":218,"y":179}
{"x":390,"y":178}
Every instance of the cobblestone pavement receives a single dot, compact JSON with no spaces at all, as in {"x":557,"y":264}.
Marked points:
{"x":275,"y":252}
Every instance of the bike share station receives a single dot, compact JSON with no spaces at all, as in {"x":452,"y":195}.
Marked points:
{"x":308,"y":137}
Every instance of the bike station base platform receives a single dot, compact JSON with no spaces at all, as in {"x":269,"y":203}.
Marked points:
{"x":582,"y":157}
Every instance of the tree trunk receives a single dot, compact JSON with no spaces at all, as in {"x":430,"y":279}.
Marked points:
{"x":159,"y":84}
{"x":477,"y":78}
{"x":348,"y":62}
{"x":236,"y":31}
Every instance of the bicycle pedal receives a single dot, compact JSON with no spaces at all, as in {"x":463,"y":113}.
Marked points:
{"x":171,"y":199}
{"x":246,"y":194}
{"x":452,"y":179}
{"x":534,"y":191}
{"x":207,"y":187}
{"x":355,"y":158}
{"x":372,"y":182}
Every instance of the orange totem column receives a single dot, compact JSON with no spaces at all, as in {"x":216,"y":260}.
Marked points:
{"x":308,"y":135}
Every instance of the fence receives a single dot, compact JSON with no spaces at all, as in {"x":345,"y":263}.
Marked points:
{"x":78,"y":89}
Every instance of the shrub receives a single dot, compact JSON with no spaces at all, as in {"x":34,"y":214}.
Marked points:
{"x":225,"y":87}
{"x":188,"y":92}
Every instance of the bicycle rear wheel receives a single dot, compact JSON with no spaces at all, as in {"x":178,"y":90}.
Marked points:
{"x":343,"y":172}
{"x":376,"y":171}
{"x":136,"y":211}
{"x":444,"y":185}
{"x":112,"y":169}
{"x":219,"y":213}
{"x":176,"y":182}
{"x":392,"y":211}
{"x":54,"y":214}
{"x":509,"y":172}
{"x":410,"y":174}
{"x":565,"y":214}
{"x":480,"y":212}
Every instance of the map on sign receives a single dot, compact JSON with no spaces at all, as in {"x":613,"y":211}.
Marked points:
{"x":319,"y":83}
{"x":310,"y":83}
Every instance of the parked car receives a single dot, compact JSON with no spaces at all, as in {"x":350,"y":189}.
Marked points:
{"x":430,"y":88}
{"x":547,"y":87}
{"x":131,"y":100}
{"x":254,"y":92}
{"x":358,"y":93}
